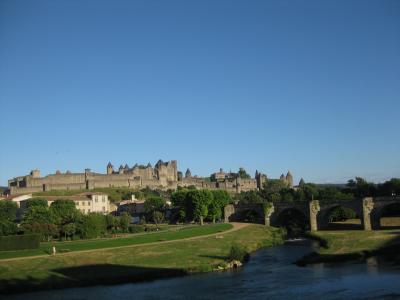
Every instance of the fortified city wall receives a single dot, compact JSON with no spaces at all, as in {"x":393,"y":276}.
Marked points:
{"x":164,"y":175}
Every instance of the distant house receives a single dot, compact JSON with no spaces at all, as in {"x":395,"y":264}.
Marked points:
{"x":87,"y":202}
{"x":17,"y":198}
{"x":133,"y":206}
{"x":20,"y":200}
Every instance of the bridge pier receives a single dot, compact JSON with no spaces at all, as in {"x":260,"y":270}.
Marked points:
{"x":368,"y":206}
{"x":268,"y":211}
{"x":228,"y":211}
{"x":314,"y":208}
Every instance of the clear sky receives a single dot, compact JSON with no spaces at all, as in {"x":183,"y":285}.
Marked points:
{"x":310,"y":86}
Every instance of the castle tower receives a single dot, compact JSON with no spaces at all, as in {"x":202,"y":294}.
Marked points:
{"x":188,"y":174}
{"x":289,"y":179}
{"x":110,"y":168}
{"x":35,"y":173}
{"x":260,"y":179}
{"x":302,"y":182}
{"x":121,"y":169}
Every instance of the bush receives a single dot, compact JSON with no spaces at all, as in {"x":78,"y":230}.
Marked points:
{"x":237,"y":252}
{"x":19,"y":242}
{"x":136,"y":229}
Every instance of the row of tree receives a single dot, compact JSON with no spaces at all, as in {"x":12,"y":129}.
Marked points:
{"x":277,"y":190}
{"x":59,"y":220}
{"x":199,"y":205}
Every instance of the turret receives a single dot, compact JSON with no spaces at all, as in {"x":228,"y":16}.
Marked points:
{"x":188,"y":174}
{"x":121,"y":169}
{"x":289,"y":179}
{"x":302,"y":182}
{"x":110,"y":168}
{"x":35,"y":173}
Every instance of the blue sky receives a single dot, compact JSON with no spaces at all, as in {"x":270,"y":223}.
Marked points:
{"x":310,"y":86}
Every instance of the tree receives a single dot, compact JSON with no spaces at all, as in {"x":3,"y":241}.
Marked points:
{"x":182,"y":205}
{"x":64,"y":211}
{"x":92,"y":225}
{"x":250,"y":197}
{"x":36,"y":202}
{"x":220,"y":198}
{"x":124,"y":221}
{"x":154,"y":203}
{"x":243,"y":174}
{"x":361,"y":188}
{"x":112,"y":223}
{"x":200,"y":199}
{"x":40,"y":220}
{"x":65,"y":216}
{"x":38,"y":214}
{"x":68,"y":230}
{"x":158,"y":217}
{"x":271,"y":189}
{"x":8,"y":210}
{"x":390,"y":187}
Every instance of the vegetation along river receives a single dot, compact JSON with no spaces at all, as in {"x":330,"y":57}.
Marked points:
{"x":270,"y":274}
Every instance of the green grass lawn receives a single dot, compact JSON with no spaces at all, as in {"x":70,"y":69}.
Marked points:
{"x":349,"y":241}
{"x":142,"y":238}
{"x":132,"y":264}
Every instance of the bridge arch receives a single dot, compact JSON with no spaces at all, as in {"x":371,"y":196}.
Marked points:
{"x":293,"y":219}
{"x":386,"y":215}
{"x":336,"y":216}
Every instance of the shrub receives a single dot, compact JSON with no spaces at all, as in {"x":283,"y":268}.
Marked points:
{"x":237,"y":252}
{"x":136,"y":229}
{"x":19,"y":242}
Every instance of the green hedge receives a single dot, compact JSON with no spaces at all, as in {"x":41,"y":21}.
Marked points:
{"x":19,"y":242}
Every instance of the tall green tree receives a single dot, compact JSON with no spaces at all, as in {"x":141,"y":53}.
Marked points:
{"x":153,"y":204}
{"x":201,"y":200}
{"x":36,"y":202}
{"x":8,"y":210}
{"x":125,"y":220}
{"x":220,"y":199}
{"x":66,"y":215}
{"x":92,"y":225}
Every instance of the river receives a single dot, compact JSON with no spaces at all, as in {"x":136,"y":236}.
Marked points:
{"x":270,"y":274}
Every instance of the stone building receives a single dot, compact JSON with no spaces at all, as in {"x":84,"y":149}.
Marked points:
{"x":163,"y":175}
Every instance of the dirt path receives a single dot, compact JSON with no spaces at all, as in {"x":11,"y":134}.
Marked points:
{"x":236,"y":226}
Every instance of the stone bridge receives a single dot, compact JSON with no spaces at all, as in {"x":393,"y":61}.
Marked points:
{"x":317,"y":212}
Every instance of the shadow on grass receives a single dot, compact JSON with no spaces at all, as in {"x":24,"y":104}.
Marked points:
{"x":343,"y":226}
{"x":86,"y":276}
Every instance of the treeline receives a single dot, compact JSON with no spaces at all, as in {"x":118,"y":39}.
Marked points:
{"x":198,"y":205}
{"x":277,"y":190}
{"x":61,"y":220}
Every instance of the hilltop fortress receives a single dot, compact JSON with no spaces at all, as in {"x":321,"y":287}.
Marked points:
{"x":164,"y":175}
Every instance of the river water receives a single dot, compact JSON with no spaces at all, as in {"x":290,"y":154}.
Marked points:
{"x":270,"y":274}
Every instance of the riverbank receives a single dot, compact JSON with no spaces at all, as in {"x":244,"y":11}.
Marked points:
{"x":353,"y":245}
{"x":132,"y":264}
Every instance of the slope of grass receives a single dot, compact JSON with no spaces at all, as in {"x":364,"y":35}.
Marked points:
{"x":346,"y":245}
{"x":180,"y":233}
{"x":347,"y":241}
{"x":132,"y":264}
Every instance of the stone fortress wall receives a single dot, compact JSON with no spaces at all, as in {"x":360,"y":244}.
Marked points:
{"x":164,"y":175}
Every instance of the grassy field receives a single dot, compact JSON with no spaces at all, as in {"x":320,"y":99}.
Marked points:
{"x":348,"y":241}
{"x":347,"y":245}
{"x":141,"y":238}
{"x":131,"y":264}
